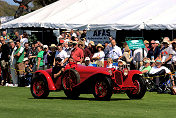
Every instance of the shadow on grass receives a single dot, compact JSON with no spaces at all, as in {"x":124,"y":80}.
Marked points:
{"x":81,"y":98}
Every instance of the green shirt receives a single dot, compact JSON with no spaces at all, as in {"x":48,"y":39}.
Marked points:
{"x":147,"y":68}
{"x":40,"y":55}
{"x":21,"y":57}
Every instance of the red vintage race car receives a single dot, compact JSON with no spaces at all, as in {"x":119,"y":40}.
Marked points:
{"x":78,"y":79}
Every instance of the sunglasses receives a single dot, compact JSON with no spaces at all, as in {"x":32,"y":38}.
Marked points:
{"x":152,"y":43}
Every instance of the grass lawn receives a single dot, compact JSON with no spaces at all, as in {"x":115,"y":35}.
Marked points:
{"x":19,"y":103}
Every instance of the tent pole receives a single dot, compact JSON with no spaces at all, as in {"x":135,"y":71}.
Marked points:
{"x":142,"y":31}
{"x":42,"y":34}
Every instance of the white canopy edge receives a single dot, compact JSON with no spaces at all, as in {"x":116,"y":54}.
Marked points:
{"x":101,"y":14}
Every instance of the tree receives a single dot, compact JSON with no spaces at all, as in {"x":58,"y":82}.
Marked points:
{"x":23,"y":6}
{"x":42,"y":3}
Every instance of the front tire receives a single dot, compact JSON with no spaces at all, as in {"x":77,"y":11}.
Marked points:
{"x":102,"y":89}
{"x":140,"y":90}
{"x":70,"y":79}
{"x":39,"y":87}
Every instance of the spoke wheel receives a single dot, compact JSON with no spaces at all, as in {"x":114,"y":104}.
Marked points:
{"x":102,"y":89}
{"x":137,"y":90}
{"x":39,"y":87}
{"x":70,"y":79}
{"x":140,"y":89}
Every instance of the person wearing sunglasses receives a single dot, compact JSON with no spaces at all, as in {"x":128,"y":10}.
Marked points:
{"x":154,"y":51}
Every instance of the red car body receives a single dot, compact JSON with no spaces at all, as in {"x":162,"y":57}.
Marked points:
{"x":91,"y":80}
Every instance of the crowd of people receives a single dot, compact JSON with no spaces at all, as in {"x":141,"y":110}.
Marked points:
{"x":19,"y":58}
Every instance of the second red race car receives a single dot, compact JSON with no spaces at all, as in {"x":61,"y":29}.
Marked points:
{"x":78,"y":79}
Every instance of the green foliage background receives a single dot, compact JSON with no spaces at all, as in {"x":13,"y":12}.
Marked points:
{"x":6,"y":9}
{"x":9,"y":10}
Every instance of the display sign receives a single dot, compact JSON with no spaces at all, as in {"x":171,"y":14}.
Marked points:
{"x":135,"y":44}
{"x":100,"y":36}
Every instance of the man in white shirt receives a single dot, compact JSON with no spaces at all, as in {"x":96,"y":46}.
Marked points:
{"x":24,"y":39}
{"x":160,"y":70}
{"x":115,"y":51}
{"x":73,"y":34}
{"x":61,"y":53}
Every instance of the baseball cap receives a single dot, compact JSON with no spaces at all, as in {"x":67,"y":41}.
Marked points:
{"x":87,"y":59}
{"x":157,"y":42}
{"x":45,"y":46}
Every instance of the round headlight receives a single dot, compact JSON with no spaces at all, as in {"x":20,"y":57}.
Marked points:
{"x":110,"y":71}
{"x":125,"y":72}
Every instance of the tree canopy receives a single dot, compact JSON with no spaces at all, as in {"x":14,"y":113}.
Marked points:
{"x":42,"y":3}
{"x":6,"y":9}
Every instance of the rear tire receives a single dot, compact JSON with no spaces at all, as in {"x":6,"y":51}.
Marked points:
{"x":140,"y":90}
{"x":39,"y":87}
{"x":70,"y":79}
{"x":102,"y":89}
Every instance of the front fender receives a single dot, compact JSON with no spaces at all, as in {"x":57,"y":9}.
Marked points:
{"x":129,"y":80}
{"x":48,"y":78}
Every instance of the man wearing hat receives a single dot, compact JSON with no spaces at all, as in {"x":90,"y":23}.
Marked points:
{"x":167,"y":54}
{"x":77,"y":54}
{"x":166,"y":43}
{"x":157,"y":43}
{"x":89,"y":51}
{"x":88,"y":62}
{"x":120,"y":65}
{"x":115,"y":52}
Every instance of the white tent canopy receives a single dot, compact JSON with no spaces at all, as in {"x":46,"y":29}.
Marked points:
{"x":102,"y":14}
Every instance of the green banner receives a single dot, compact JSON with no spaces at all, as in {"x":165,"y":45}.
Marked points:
{"x":135,"y":44}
